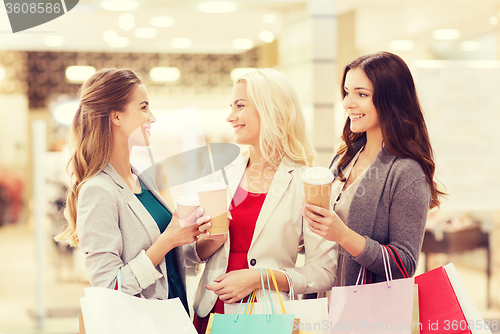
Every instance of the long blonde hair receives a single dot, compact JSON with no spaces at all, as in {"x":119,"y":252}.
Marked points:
{"x":90,"y":137}
{"x":283,"y":130}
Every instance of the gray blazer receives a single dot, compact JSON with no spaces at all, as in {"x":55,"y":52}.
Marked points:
{"x":115,"y":229}
{"x":390,"y":207}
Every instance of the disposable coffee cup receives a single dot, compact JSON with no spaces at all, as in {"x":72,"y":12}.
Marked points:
{"x":318,"y":186}
{"x":213,"y":200}
{"x":186,"y":205}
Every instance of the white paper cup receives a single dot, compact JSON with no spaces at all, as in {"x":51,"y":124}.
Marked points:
{"x":186,"y":205}
{"x":213,"y":200}
{"x":318,"y":186}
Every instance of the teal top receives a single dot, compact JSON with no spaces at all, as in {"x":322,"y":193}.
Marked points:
{"x":162,"y":218}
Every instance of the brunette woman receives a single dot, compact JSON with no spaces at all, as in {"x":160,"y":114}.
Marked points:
{"x":384,"y":184}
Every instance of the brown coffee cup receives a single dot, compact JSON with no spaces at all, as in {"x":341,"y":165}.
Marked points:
{"x":318,"y":186}
{"x":186,"y":205}
{"x":213,"y":200}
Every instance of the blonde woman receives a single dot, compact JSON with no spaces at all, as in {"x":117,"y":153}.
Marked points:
{"x":267,"y":226}
{"x":115,"y":215}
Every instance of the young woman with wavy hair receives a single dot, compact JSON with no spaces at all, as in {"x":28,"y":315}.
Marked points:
{"x":116,"y":215}
{"x":384,"y":170}
{"x":267,"y":226}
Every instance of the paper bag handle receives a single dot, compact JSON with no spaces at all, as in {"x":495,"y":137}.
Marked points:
{"x":402,"y":269}
{"x":253,"y":299}
{"x":273,"y":278}
{"x":117,"y":282}
{"x":387,"y":268}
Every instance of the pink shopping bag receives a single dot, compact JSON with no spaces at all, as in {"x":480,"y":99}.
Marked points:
{"x":385,"y":307}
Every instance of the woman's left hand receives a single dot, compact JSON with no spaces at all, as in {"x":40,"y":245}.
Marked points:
{"x":235,"y":285}
{"x":324,"y":222}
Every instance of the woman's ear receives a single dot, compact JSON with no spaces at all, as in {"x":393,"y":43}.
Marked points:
{"x":115,"y":118}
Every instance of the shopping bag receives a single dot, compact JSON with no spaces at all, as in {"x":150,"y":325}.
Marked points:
{"x":311,"y":313}
{"x":415,"y":315}
{"x":373,"y":308}
{"x":445,"y":305}
{"x":107,"y":311}
{"x":415,"y":320}
{"x":246,"y":323}
{"x":209,"y":325}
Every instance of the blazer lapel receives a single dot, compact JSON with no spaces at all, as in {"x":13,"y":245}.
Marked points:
{"x":152,"y":188}
{"x":234,"y":173}
{"x":278,"y":187}
{"x":363,"y":209}
{"x":135,"y":205}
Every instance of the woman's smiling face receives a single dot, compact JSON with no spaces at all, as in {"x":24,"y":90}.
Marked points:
{"x":358,"y":101}
{"x":244,"y":117}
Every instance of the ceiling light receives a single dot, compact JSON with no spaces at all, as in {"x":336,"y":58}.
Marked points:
{"x":493,"y":20}
{"x":109,"y":36}
{"x":119,"y":5}
{"x":146,"y":32}
{"x":65,"y":112}
{"x":114,"y":40}
{"x":242,"y":43}
{"x":217,"y":7}
{"x":162,"y":21}
{"x":446,"y":34}
{"x":401,"y":45}
{"x":126,"y":21}
{"x":470,"y":46}
{"x":120,"y":42}
{"x":181,"y":43}
{"x":266,"y":36}
{"x":78,"y":74}
{"x":239,"y":71}
{"x":269,"y":18}
{"x":2,"y":73}
{"x":164,"y":74}
{"x":53,"y":40}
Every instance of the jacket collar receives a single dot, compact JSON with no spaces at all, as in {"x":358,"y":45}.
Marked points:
{"x":135,"y":205}
{"x":278,"y":187}
{"x":357,"y":145}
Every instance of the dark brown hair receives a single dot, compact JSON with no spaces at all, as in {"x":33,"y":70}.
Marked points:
{"x":400,"y":115}
{"x":90,"y":136}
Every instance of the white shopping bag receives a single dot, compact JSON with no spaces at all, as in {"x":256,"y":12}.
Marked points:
{"x":107,"y":311}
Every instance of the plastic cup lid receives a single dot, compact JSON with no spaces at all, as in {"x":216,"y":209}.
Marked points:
{"x":317,"y":176}
{"x":211,"y":187}
{"x":188,"y":200}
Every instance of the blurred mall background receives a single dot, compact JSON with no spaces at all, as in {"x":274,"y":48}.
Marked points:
{"x":187,"y":52}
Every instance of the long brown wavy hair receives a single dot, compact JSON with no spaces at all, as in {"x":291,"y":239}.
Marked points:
{"x":90,"y":136}
{"x":400,"y":115}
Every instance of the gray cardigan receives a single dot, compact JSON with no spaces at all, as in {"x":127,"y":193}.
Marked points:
{"x":391,"y":209}
{"x":115,"y":229}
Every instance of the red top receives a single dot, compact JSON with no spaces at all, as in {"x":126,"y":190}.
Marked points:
{"x":245,"y":209}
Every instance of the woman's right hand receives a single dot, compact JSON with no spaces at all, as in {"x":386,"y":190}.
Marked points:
{"x":195,"y":224}
{"x":175,"y":235}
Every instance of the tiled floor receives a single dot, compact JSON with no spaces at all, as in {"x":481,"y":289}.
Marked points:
{"x":64,"y":287}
